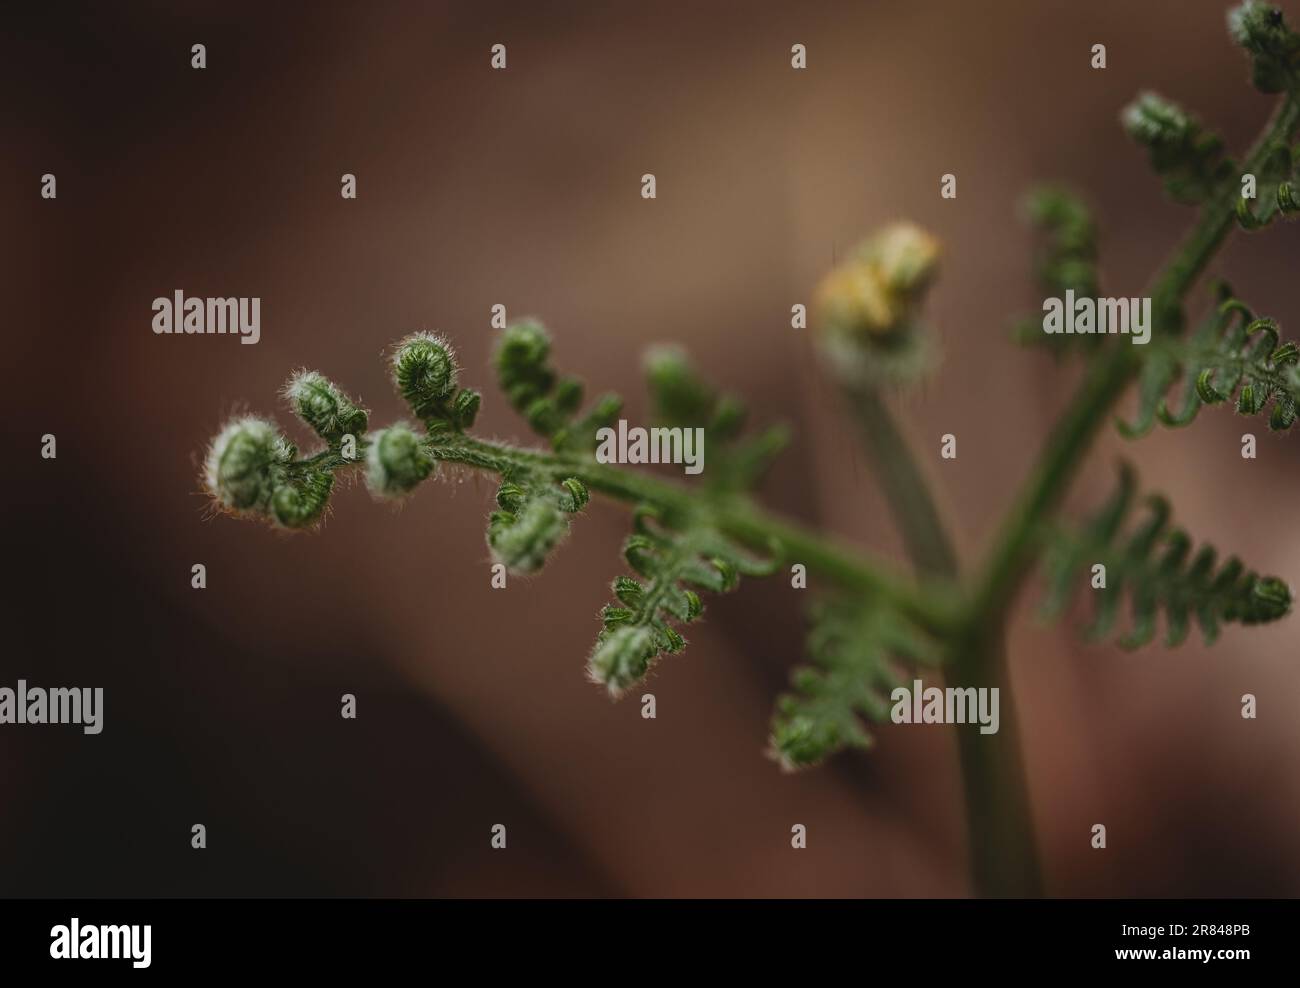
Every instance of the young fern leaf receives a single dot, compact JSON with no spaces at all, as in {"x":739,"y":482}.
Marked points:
{"x":1154,"y":566}
{"x":1066,"y":261}
{"x":857,"y":650}
{"x":251,"y":469}
{"x":1230,"y":353}
{"x":680,"y":398}
{"x":547,"y":400}
{"x":1274,"y":48}
{"x":681,"y":552}
{"x":531,"y":520}
{"x":424,"y":371}
{"x":673,"y":560}
{"x":1184,"y":154}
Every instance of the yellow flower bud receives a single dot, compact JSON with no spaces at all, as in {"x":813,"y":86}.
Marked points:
{"x":866,"y":308}
{"x":875,"y":292}
{"x":906,"y":257}
{"x":852,"y":300}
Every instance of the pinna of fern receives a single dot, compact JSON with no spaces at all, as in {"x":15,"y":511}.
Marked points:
{"x":857,"y":652}
{"x":1154,"y":566}
{"x":1230,"y":353}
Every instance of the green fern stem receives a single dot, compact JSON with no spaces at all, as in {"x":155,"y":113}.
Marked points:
{"x":933,"y":608}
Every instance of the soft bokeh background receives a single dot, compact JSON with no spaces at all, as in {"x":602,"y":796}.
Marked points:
{"x":522,"y":187}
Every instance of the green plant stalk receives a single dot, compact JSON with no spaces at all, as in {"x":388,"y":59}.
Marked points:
{"x":903,"y":483}
{"x":933,"y":608}
{"x":1001,"y":848}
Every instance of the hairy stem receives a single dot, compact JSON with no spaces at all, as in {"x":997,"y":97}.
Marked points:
{"x":932,"y":608}
{"x":904,"y":485}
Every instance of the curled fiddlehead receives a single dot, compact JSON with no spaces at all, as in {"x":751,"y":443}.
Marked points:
{"x":1230,"y":353}
{"x":547,"y":400}
{"x":1276,"y":191}
{"x":1066,"y":258}
{"x":424,"y":371}
{"x":672,"y":563}
{"x":1274,"y":48}
{"x":1153,"y":564}
{"x":252,"y":469}
{"x":680,"y":398}
{"x":1188,"y":158}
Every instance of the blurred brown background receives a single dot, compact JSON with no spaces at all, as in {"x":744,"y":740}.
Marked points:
{"x":522,"y":187}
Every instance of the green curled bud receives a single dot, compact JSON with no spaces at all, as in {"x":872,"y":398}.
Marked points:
{"x":318,"y":402}
{"x":396,"y":461}
{"x":543,"y":417}
{"x":464,"y":409}
{"x":1270,"y":599}
{"x":1182,"y":151}
{"x":245,"y":462}
{"x":568,"y":395}
{"x":685,"y":605}
{"x":511,"y":497}
{"x":604,"y":412}
{"x":629,"y":591}
{"x":669,"y":640}
{"x":622,"y":657}
{"x":728,"y":417}
{"x":611,"y":617}
{"x":1274,"y":48}
{"x":1282,"y":417}
{"x":299,"y":503}
{"x":1287,"y":200}
{"x":424,"y":370}
{"x":522,"y":541}
{"x":641,"y":554}
{"x":575,"y":495}
{"x":521,"y":365}
{"x":799,"y":741}
{"x":679,"y":395}
{"x":1067,"y":260}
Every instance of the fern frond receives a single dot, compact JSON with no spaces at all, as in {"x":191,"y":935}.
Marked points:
{"x":1188,"y":157}
{"x":548,"y":401}
{"x":1066,"y":259}
{"x":673,"y":561}
{"x":680,"y":398}
{"x":1273,"y":47}
{"x":1230,"y":353}
{"x":1153,"y":565}
{"x":857,"y":651}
